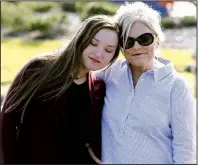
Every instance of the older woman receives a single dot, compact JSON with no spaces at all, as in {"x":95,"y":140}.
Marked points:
{"x":149,"y":114}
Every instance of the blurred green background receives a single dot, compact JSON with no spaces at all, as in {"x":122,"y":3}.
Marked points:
{"x":31,"y":28}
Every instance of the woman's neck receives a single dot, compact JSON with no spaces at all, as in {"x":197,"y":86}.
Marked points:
{"x":82,"y":73}
{"x":81,"y":77}
{"x":137,"y":71}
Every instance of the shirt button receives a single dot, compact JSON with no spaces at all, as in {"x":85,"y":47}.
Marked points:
{"x":128,"y":102}
{"x":121,"y":133}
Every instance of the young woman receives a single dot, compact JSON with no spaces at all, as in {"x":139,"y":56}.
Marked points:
{"x":52,"y":111}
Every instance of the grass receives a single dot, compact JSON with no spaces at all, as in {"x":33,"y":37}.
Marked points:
{"x":180,"y":58}
{"x":15,"y":53}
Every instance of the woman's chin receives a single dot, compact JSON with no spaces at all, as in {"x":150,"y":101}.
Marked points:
{"x":138,"y":63}
{"x":94,"y":67}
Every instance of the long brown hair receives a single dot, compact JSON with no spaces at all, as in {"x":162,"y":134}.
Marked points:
{"x":60,"y":70}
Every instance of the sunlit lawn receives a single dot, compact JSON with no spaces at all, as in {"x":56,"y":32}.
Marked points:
{"x":15,"y":53}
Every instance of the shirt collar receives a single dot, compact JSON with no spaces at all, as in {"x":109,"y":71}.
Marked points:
{"x":163,"y":71}
{"x":158,"y":73}
{"x":124,"y":62}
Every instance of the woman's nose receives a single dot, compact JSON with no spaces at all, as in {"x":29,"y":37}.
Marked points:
{"x":136,"y":45}
{"x":98,"y":52}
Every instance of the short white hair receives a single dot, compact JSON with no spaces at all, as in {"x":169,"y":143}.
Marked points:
{"x":129,"y":13}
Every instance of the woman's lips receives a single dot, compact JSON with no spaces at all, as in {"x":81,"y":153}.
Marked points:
{"x":137,"y":54}
{"x":94,"y":60}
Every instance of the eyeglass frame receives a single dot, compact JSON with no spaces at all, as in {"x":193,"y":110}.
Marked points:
{"x":136,"y":39}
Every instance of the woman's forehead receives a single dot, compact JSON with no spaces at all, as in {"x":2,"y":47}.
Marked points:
{"x":139,"y":28}
{"x":107,"y":36}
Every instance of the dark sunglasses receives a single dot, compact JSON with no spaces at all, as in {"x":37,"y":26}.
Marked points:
{"x":144,"y":40}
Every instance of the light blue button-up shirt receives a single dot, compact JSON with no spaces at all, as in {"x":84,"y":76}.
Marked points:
{"x":153,"y":123}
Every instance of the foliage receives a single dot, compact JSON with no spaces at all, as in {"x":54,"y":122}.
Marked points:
{"x":46,"y":24}
{"x":23,"y":16}
{"x":68,"y":6}
{"x":188,"y":21}
{"x":94,"y":8}
{"x":14,"y":16}
{"x":40,"y":24}
{"x":77,"y":7}
{"x":80,"y":6}
{"x":168,"y":23}
{"x":40,"y":7}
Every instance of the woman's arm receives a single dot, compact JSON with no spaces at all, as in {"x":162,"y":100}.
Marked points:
{"x":107,"y":74}
{"x":183,"y":124}
{"x":10,"y":120}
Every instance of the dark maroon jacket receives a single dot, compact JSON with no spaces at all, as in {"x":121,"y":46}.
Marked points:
{"x":19,"y":141}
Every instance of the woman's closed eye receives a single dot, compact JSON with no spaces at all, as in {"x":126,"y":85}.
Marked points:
{"x":108,"y":51}
{"x":93,"y":43}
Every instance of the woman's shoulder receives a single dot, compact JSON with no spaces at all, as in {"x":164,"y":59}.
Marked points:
{"x":36,"y":63}
{"x":180,"y":82}
{"x":94,"y":79}
{"x":33,"y":66}
{"x":96,"y":83}
{"x":39,"y":61}
{"x":180,"y":86}
{"x":117,"y":64}
{"x":97,"y":87}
